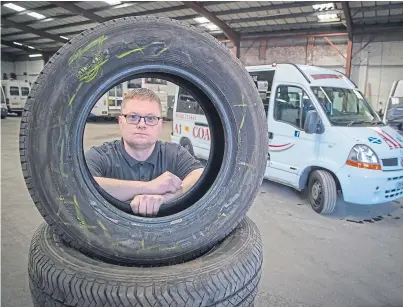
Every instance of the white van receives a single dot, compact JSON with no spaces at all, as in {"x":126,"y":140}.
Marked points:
{"x":323,"y":135}
{"x":393,"y":114}
{"x":4,"y":110}
{"x":16,"y":93}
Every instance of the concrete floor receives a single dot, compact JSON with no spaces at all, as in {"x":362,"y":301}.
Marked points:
{"x":310,"y":260}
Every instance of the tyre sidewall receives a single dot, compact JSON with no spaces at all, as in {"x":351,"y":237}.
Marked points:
{"x":63,"y":191}
{"x":313,"y":178}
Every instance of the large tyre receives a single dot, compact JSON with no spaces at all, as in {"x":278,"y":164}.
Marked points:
{"x":185,"y":142}
{"x":228,"y":275}
{"x":322,"y":192}
{"x":52,"y":131}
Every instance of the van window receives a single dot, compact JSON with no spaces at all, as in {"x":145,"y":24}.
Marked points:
{"x":155,"y":81}
{"x":14,"y":91}
{"x":119,"y":90}
{"x":291,"y":105}
{"x":24,"y":91}
{"x":263,"y":81}
{"x":136,"y":83}
{"x":187,"y":104}
{"x":112,"y":92}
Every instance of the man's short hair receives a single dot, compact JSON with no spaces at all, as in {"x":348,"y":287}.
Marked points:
{"x":140,"y":94}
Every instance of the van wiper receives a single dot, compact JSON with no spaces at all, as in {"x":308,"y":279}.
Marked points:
{"x":378,"y":122}
{"x":354,"y":122}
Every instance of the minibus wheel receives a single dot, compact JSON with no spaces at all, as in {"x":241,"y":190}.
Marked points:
{"x":322,"y":192}
{"x":186,"y":143}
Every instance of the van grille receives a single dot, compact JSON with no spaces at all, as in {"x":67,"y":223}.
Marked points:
{"x":389,"y":162}
{"x":394,"y":192}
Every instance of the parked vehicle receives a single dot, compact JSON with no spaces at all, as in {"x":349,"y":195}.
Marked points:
{"x":3,"y":105}
{"x":323,"y":136}
{"x":16,"y":93}
{"x":393,"y":115}
{"x":109,"y":106}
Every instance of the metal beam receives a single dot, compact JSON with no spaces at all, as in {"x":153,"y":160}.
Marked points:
{"x":12,"y":24}
{"x":37,"y":9}
{"x":202,"y":11}
{"x":282,"y":16}
{"x":79,"y":11}
{"x":82,"y":23}
{"x":173,"y":8}
{"x":347,"y":16}
{"x":23,"y":48}
{"x":349,"y":57}
{"x":376,"y":8}
{"x":379,"y":19}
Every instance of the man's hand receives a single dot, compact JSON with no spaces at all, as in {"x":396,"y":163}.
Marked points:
{"x":147,"y":205}
{"x":166,"y":183}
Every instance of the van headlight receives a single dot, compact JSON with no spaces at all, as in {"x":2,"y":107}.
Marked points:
{"x":362,"y":156}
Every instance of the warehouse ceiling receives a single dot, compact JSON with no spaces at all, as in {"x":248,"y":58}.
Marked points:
{"x":40,"y":27}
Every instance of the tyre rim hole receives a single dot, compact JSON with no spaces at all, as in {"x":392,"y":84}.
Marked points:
{"x":211,"y":169}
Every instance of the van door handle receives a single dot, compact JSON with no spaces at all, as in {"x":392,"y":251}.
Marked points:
{"x":270,"y":135}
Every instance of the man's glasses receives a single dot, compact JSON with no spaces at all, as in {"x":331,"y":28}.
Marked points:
{"x":134,"y":119}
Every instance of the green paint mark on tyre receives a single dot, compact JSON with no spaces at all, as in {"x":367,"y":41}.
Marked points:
{"x":138,"y":49}
{"x":78,"y":54}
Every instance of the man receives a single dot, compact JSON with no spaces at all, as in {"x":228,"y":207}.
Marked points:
{"x":139,"y":168}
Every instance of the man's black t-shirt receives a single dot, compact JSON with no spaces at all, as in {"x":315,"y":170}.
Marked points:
{"x":112,"y":161}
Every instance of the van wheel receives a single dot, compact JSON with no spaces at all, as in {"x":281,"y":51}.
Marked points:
{"x":19,"y":113}
{"x":322,"y":192}
{"x":186,"y":143}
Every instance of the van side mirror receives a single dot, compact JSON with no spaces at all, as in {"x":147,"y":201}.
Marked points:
{"x":313,"y":123}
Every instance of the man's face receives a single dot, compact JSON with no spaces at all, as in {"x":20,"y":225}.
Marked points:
{"x":140,"y":135}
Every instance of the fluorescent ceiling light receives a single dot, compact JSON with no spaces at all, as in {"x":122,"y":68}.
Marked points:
{"x":328,"y":17}
{"x":36,"y":15}
{"x":19,"y":44}
{"x":211,"y":26}
{"x":30,"y":47}
{"x":202,"y":19}
{"x":112,"y":2}
{"x":64,"y":37}
{"x":14,"y":7}
{"x":323,"y":7}
{"x":35,"y":55}
{"x":123,"y":5}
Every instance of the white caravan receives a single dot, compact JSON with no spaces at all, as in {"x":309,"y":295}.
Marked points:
{"x":16,"y":93}
{"x":323,"y":136}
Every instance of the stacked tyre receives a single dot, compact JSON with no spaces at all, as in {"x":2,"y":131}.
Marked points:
{"x":201,"y":250}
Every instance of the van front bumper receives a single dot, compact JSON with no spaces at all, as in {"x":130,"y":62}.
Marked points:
{"x":369,"y":187}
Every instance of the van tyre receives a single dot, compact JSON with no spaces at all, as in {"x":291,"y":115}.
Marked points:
{"x":63,"y":95}
{"x":186,"y":143}
{"x":322,"y":192}
{"x":228,"y":275}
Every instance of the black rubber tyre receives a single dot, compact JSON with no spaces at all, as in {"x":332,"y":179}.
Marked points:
{"x":228,"y":275}
{"x":19,"y":113}
{"x":185,"y":142}
{"x":54,"y":118}
{"x":322,"y":192}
